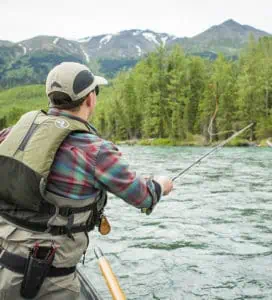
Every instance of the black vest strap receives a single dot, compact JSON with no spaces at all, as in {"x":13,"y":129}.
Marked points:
{"x":54,"y":230}
{"x":67,"y":211}
{"x":39,"y":223}
{"x":16,"y":263}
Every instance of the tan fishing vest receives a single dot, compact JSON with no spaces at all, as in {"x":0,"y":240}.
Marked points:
{"x":26,"y":157}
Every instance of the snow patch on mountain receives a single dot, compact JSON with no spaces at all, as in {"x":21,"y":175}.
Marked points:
{"x":55,"y":41}
{"x":106,"y":39}
{"x":85,"y":40}
{"x":137,"y":32}
{"x":164,"y":39}
{"x":85,"y":54}
{"x":151,"y":37}
{"x":139,"y":50}
{"x":24,"y":48}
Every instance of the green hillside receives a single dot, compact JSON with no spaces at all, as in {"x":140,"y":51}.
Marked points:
{"x":176,"y":97}
{"x":14,"y":102}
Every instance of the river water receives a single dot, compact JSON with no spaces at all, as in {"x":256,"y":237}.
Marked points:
{"x":211,"y":238}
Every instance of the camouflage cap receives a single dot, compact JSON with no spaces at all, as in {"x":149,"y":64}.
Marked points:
{"x":73,"y":79}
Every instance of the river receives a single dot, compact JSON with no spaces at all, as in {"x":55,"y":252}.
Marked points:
{"x":211,"y":238}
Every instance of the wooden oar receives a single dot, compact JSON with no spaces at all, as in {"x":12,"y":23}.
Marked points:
{"x":110,"y":278}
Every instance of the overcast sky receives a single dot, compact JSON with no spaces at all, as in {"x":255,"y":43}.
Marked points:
{"x":23,"y":19}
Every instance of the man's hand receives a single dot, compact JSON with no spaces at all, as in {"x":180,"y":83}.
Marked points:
{"x":165,"y":183}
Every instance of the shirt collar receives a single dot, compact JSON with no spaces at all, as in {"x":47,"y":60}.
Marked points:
{"x":59,"y":112}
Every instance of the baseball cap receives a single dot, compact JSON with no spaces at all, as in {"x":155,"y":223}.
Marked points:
{"x":74,"y":79}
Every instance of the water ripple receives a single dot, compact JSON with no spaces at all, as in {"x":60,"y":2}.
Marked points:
{"x":210,"y":239}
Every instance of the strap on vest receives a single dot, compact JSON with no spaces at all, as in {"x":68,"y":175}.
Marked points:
{"x":95,"y":209}
{"x":67,"y":211}
{"x":54,"y":230}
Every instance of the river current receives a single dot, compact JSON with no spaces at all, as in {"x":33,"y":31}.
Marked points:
{"x":211,"y":238}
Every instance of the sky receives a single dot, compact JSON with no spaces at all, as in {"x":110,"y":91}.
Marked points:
{"x":24,"y":19}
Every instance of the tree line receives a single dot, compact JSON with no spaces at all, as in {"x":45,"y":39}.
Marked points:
{"x":174,"y":96}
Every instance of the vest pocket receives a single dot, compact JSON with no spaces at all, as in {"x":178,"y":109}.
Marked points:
{"x":20,"y":186}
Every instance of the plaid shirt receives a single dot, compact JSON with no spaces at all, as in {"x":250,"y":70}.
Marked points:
{"x":85,"y":164}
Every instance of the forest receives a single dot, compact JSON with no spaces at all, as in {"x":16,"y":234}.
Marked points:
{"x":170,"y":97}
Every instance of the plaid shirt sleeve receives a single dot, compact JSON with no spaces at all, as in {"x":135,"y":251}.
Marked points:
{"x":4,"y":133}
{"x":109,"y":172}
{"x":113,"y":174}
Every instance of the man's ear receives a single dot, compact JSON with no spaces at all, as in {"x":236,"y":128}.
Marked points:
{"x":89,"y":100}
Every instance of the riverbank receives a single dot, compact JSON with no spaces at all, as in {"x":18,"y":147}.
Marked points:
{"x":198,"y":141}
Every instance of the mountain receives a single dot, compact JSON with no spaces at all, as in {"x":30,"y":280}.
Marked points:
{"x":229,"y":30}
{"x":30,"y":60}
{"x":5,"y":43}
{"x":51,"y":44}
{"x":228,"y":37}
{"x":129,"y":43}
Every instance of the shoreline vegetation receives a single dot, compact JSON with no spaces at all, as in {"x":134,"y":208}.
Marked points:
{"x":197,"y":142}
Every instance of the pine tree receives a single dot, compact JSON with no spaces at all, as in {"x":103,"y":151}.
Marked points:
{"x":154,"y":124}
{"x":178,"y":92}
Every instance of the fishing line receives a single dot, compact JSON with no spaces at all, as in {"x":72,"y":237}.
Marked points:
{"x":213,"y":150}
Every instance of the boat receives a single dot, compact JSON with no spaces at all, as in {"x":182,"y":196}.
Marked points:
{"x":87,"y":291}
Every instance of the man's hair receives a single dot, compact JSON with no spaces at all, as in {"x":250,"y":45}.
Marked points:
{"x":63,"y":101}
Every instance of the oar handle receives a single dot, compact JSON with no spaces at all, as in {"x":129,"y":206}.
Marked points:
{"x":111,"y":280}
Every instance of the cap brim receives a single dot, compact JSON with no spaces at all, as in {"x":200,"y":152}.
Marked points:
{"x":98,"y":80}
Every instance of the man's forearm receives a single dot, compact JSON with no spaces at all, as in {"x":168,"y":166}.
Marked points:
{"x":114,"y":175}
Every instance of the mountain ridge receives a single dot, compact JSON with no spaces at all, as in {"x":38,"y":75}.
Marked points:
{"x":134,"y":43}
{"x":29,"y":61}
{"x":226,"y":22}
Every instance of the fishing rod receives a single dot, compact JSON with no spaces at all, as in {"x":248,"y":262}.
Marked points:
{"x":213,"y":150}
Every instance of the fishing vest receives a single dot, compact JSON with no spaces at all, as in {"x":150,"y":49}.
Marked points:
{"x":26,"y":156}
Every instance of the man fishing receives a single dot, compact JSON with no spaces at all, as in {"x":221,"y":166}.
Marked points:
{"x":55,"y":175}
